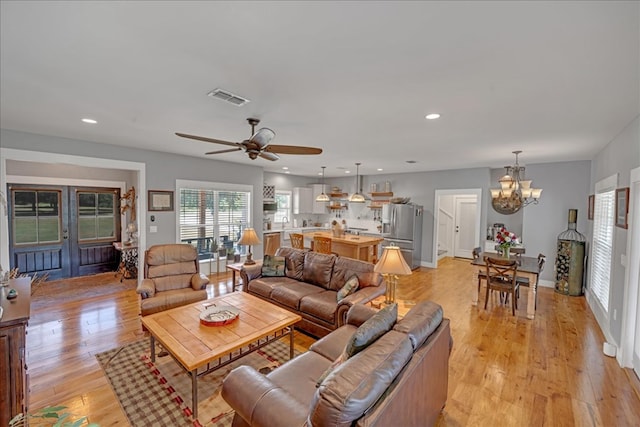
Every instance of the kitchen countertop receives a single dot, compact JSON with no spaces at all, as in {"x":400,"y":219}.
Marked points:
{"x":346,"y":238}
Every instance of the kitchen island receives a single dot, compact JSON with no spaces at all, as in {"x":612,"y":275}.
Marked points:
{"x":364,"y":248}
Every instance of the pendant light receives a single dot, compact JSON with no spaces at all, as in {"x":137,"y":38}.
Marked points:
{"x":357,"y":197}
{"x":322,"y":197}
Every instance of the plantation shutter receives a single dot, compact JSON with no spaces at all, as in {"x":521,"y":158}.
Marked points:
{"x":602,"y":246}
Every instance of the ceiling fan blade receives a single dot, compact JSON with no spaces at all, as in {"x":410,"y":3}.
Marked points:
{"x":263,"y":137}
{"x":269,"y":156}
{"x":205,"y":139}
{"x":292,"y":149}
{"x":224,"y":151}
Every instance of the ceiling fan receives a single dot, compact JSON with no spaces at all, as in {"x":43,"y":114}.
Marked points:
{"x":258,"y":145}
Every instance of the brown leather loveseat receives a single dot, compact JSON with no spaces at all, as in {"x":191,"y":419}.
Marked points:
{"x":310,"y":286}
{"x":171,"y":278}
{"x":399,"y":378}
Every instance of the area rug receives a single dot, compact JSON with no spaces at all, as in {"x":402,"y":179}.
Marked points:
{"x":159,"y":393}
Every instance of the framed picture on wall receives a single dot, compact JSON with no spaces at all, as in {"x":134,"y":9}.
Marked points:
{"x":160,"y":200}
{"x":592,"y":200}
{"x":622,"y":207}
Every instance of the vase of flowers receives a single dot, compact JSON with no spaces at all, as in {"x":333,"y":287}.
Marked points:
{"x":505,"y":240}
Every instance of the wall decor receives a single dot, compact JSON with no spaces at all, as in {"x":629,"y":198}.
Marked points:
{"x":622,"y":207}
{"x":160,"y":200}
{"x":592,"y":201}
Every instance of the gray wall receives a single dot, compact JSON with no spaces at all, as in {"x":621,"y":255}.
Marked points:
{"x":620,"y":156}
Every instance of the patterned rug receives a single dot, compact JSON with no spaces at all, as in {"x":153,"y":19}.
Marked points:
{"x":159,"y":394}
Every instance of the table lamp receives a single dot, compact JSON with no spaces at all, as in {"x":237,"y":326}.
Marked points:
{"x":249,"y":237}
{"x":390,"y":265}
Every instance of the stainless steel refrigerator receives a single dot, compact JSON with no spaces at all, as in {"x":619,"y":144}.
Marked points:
{"x":402,"y":227}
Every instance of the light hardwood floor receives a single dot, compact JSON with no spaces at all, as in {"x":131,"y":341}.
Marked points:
{"x":504,"y":370}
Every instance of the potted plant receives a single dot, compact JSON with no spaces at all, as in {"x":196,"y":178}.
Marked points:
{"x":230,"y":255}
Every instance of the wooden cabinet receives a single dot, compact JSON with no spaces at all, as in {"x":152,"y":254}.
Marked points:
{"x":271,"y":243}
{"x":302,"y":201}
{"x":13,"y":366}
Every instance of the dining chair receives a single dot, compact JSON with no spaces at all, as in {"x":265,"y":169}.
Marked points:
{"x":501,"y":277}
{"x":482,"y":275}
{"x":524,"y":281}
{"x":322,"y":244}
{"x":297,"y":240}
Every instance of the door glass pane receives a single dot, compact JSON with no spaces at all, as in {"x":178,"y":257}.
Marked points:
{"x":36,"y":216}
{"x":96,"y":215}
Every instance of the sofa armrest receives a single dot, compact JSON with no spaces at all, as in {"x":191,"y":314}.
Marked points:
{"x":250,"y":272}
{"x":361,"y":296}
{"x":146,"y":288}
{"x":358,"y":314}
{"x":199,"y":281}
{"x":263,"y":403}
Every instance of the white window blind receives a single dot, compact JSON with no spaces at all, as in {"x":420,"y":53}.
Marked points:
{"x":211,"y":219}
{"x":602,"y":246}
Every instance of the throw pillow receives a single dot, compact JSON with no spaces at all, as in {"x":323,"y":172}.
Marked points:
{"x":349,"y":287}
{"x":273,"y":266}
{"x":376,"y":326}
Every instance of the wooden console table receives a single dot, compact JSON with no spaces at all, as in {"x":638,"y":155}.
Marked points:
{"x":14,"y":380}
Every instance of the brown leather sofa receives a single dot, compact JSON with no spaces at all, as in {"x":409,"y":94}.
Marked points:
{"x":400,"y":379}
{"x":310,"y":286}
{"x":171,"y":278}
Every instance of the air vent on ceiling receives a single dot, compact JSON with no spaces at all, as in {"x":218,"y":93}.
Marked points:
{"x":236,"y":100}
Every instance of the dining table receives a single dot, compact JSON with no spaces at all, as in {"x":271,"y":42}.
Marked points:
{"x":364,"y":248}
{"x":527,"y":267}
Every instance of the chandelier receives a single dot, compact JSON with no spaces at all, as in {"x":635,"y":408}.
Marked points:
{"x":515,"y":192}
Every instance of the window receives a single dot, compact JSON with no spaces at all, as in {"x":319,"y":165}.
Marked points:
{"x":212,"y":219}
{"x":36,"y":217}
{"x":96,"y":216}
{"x":283,"y":214}
{"x":602,"y":246}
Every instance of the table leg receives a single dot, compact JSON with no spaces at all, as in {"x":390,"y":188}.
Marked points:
{"x":233,"y":277}
{"x":533,"y":289}
{"x":194,"y":393}
{"x":474,"y":287}
{"x":291,"y":342}
{"x":152,"y":343}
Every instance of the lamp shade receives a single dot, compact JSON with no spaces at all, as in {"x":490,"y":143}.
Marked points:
{"x":249,"y":237}
{"x":392,"y":262}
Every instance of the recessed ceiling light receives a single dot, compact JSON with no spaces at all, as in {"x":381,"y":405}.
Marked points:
{"x":432,"y":116}
{"x":285,"y":168}
{"x":90,"y":121}
{"x":347,"y":171}
{"x":380,"y":169}
{"x":287,"y":172}
{"x":319,"y":173}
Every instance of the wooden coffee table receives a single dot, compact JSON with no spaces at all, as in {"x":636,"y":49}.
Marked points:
{"x":200,"y":349}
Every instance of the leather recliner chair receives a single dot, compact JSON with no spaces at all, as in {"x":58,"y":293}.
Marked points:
{"x":172,"y":278}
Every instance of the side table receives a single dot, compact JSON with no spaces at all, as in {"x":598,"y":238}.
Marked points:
{"x":403,"y":305}
{"x":235,"y":268}
{"x":128,"y":267}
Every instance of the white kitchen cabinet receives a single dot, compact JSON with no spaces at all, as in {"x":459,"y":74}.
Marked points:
{"x":318,"y":207}
{"x":302,"y":200}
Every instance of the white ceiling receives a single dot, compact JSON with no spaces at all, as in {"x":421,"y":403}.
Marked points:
{"x":558,"y":80}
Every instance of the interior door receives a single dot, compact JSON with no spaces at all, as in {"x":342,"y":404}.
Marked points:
{"x":465,"y":230}
{"x":62,"y":231}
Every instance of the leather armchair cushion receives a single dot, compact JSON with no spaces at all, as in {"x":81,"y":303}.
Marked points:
{"x":318,"y":268}
{"x":290,"y":294}
{"x":321,"y":305}
{"x":186,"y":267}
{"x":170,"y":299}
{"x":171,"y":254}
{"x":420,"y":322}
{"x":294,"y":261}
{"x":344,"y":268}
{"x":170,"y":283}
{"x":300,"y":375}
{"x":354,"y":386}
